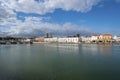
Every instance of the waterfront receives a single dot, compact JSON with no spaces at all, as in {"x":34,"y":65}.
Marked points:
{"x":59,"y":62}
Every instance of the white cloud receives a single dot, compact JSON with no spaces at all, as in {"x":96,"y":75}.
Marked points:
{"x":34,"y":26}
{"x":9,"y":25}
{"x":47,"y":6}
{"x":6,"y":12}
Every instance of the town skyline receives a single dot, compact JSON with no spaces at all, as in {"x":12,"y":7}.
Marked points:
{"x":59,"y":17}
{"x":91,"y":39}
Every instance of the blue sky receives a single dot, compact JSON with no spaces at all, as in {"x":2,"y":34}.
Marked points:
{"x":59,"y":17}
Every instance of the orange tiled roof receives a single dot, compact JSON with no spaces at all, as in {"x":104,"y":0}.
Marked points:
{"x":107,"y":34}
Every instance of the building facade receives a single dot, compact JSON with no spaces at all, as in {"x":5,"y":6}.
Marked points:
{"x":39,"y":39}
{"x":54,"y":39}
{"x":94,"y":38}
{"x":86,"y":39}
{"x":116,"y":38}
{"x":107,"y":38}
{"x":62,"y":39}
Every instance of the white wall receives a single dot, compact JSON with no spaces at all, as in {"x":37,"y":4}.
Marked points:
{"x":63,"y":40}
{"x":116,"y":38}
{"x":73,"y":39}
{"x":94,"y":38}
{"x":86,"y":39}
{"x":54,"y":39}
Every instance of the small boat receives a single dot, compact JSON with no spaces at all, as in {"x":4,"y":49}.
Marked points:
{"x":2,"y":42}
{"x":13,"y":42}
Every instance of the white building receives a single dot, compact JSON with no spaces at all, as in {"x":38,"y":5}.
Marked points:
{"x":68,"y":40}
{"x":39,"y":39}
{"x":83,"y":39}
{"x":94,"y":37}
{"x":73,"y":39}
{"x":100,"y":37}
{"x":116,"y":38}
{"x":54,"y":39}
{"x":86,"y":39}
{"x":62,"y":39}
{"x":27,"y":40}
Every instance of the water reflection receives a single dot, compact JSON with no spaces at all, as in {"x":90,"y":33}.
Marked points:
{"x":92,"y":49}
{"x":64,"y":48}
{"x":96,"y":49}
{"x":59,"y":62}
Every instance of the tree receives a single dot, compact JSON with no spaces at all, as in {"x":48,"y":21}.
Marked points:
{"x":78,"y":35}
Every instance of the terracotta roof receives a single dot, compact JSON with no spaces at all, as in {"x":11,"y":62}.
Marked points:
{"x":107,"y":34}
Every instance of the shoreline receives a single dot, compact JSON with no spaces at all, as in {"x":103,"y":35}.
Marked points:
{"x":65,"y":43}
{"x":75,"y":43}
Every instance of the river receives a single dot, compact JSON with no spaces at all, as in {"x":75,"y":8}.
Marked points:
{"x":60,"y":62}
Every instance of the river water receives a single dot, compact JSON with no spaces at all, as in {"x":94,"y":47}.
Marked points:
{"x":60,"y":62}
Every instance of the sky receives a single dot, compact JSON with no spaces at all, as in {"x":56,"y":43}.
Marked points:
{"x":59,"y":17}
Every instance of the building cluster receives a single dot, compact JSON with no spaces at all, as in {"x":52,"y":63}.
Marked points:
{"x":13,"y":40}
{"x":95,"y":38}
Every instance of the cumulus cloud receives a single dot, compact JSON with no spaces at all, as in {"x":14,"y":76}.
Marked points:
{"x":47,"y":6}
{"x":33,"y":26}
{"x":5,"y":11}
{"x":7,"y":15}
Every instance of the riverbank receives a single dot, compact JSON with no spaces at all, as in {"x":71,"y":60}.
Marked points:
{"x":15,"y":42}
{"x":75,"y":43}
